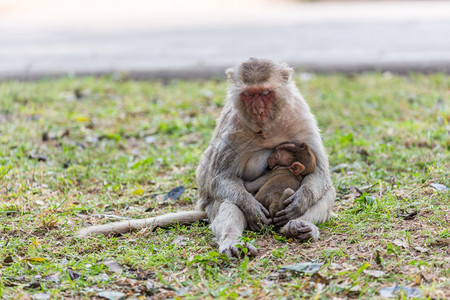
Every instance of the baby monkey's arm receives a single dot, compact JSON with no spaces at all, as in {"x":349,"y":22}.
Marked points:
{"x":253,"y":186}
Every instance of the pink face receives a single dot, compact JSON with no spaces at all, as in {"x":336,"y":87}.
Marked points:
{"x":258,"y":102}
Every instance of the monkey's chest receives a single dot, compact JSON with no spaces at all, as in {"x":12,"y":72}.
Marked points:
{"x":254,"y":164}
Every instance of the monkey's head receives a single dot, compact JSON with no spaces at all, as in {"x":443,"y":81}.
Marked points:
{"x":298,"y":157}
{"x":259,"y":89}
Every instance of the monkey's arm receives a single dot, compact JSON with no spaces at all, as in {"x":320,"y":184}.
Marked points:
{"x":232,"y":190}
{"x":217,"y":180}
{"x":314,"y":187}
{"x":255,"y":185}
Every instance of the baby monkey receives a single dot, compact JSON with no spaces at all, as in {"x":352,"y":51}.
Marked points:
{"x":289,"y":163}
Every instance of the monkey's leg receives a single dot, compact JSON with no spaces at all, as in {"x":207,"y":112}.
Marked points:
{"x":277,"y":206}
{"x":228,"y":223}
{"x":303,"y":228}
{"x":286,"y":194}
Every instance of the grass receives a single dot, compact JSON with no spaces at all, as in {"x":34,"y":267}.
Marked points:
{"x":75,"y":150}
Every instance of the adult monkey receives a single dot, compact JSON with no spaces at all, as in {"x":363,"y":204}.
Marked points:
{"x":263,"y":109}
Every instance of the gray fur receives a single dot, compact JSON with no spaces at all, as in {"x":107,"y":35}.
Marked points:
{"x":238,"y":152}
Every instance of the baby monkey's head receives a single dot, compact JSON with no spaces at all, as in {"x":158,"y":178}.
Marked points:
{"x":298,"y":157}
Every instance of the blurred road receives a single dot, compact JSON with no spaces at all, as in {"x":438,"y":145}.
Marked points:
{"x":199,"y":38}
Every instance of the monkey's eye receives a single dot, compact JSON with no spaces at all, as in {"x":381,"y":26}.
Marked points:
{"x":247,"y":94}
{"x":265,"y":92}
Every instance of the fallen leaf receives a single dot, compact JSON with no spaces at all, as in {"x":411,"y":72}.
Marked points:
{"x":151,"y":139}
{"x":111,"y":216}
{"x":441,"y":243}
{"x":317,"y":278}
{"x":112,"y":295}
{"x":400,"y":243}
{"x":102,"y":277}
{"x":354,"y":291}
{"x":8,"y":260}
{"x":246,"y":293}
{"x":180,"y":241}
{"x":33,"y":260}
{"x":53,"y":278}
{"x":141,"y":274}
{"x":394,"y":291}
{"x":72,"y":274}
{"x":38,"y":157}
{"x":374,"y":273}
{"x":113,"y":266}
{"x":41,"y":296}
{"x":336,"y":266}
{"x":439,"y":187}
{"x":34,"y":285}
{"x":175,"y":193}
{"x":421,"y":249}
{"x":354,"y":193}
{"x":307,"y":268}
{"x":378,"y":258}
{"x":83,"y":119}
{"x":91,"y":139}
{"x":185,"y":290}
{"x":406,"y":215}
{"x":340,"y":167}
{"x":138,"y":192}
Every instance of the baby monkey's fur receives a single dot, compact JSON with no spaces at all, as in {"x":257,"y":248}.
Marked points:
{"x":289,"y":163}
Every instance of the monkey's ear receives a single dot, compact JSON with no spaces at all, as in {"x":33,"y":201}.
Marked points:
{"x":229,"y":72}
{"x":296,"y":168}
{"x":286,"y":72}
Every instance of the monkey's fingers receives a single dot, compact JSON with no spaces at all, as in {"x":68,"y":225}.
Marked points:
{"x":263,"y":218}
{"x":282,"y":213}
{"x":227,"y":252}
{"x":257,"y":226}
{"x":265,"y":221}
{"x":281,"y":220}
{"x":304,"y":237}
{"x":288,"y":200}
{"x":235,"y":251}
{"x":266,"y":212}
{"x":283,"y":216}
{"x":252,"y":251}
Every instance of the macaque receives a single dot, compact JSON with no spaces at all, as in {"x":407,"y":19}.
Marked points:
{"x":289,"y":163}
{"x":263,"y":109}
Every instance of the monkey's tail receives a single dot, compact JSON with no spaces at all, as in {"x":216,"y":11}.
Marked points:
{"x":185,"y":218}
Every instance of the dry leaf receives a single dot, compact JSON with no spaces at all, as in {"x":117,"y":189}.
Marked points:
{"x":33,"y":260}
{"x":421,"y":249}
{"x":113,"y":266}
{"x":400,"y":243}
{"x":374,"y":273}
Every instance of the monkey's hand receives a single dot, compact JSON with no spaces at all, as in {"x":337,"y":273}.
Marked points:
{"x":293,"y":208}
{"x":257,"y":215}
{"x":313,"y":188}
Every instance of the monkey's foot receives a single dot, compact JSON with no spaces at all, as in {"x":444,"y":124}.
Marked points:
{"x":301,"y":230}
{"x":231,"y":249}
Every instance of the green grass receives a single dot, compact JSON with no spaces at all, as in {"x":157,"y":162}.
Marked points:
{"x":387,"y":138}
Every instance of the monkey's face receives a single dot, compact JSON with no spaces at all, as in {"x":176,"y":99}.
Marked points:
{"x":259,"y":89}
{"x":258,"y":103}
{"x":280,"y":158}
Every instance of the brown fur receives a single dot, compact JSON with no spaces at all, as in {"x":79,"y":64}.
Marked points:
{"x":286,"y":176}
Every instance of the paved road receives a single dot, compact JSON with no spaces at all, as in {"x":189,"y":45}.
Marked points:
{"x":168,"y":42}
